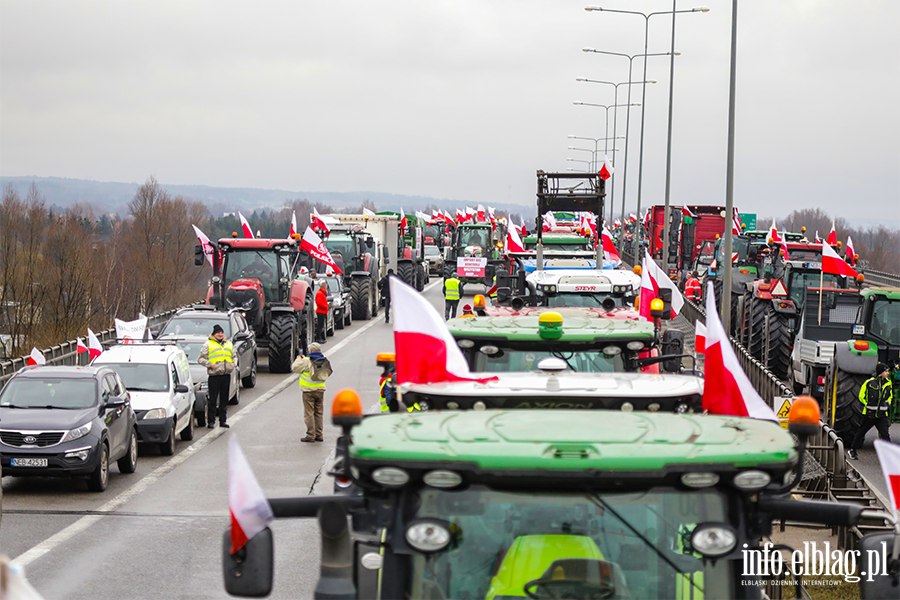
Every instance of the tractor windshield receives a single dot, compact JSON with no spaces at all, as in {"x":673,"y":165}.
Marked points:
{"x":886,"y":320}
{"x":474,"y":236}
{"x":254,"y":264}
{"x":587,"y":300}
{"x":503,"y":542}
{"x":507,"y":360}
{"x":342,"y":244}
{"x":561,"y":247}
{"x":800,"y":280}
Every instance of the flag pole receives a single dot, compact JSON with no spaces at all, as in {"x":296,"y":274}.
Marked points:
{"x":821,"y":291}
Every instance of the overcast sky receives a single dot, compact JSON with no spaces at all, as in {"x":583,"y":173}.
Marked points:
{"x":457,"y":99}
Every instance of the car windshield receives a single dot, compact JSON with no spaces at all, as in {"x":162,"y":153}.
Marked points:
{"x":334,"y":286}
{"x":503,"y":541}
{"x":588,"y":300}
{"x":517,"y":361}
{"x":139,"y":377}
{"x":191,"y":350}
{"x":195,"y":325}
{"x":342,"y":244}
{"x":474,"y":236}
{"x":432,"y":251}
{"x":253,"y":265}
{"x":886,"y":320}
{"x":801,"y":280}
{"x":739,"y":246}
{"x":27,"y":392}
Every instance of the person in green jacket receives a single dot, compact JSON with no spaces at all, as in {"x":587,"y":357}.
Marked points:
{"x":876,"y":395}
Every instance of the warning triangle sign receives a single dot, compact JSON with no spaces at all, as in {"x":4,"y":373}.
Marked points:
{"x":785,"y":410}
{"x":778,"y":289}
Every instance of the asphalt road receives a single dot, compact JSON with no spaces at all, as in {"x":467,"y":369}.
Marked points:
{"x":158,"y":532}
{"x":868,"y":464}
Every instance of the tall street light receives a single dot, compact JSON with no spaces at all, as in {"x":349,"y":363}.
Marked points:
{"x":612,"y":185}
{"x":595,"y":140}
{"x":644,"y":91}
{"x":627,"y":114}
{"x":729,"y":179}
{"x":587,"y":162}
{"x":595,"y":164}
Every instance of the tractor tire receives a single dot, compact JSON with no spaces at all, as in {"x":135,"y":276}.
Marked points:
{"x":282,"y":344}
{"x":420,"y":277}
{"x":755,"y":327}
{"x":770,"y":341}
{"x":744,"y":327}
{"x":406,"y":271}
{"x":717,"y":292}
{"x":339,"y":319}
{"x":449,"y":271}
{"x":848,"y":409}
{"x":361,"y":299}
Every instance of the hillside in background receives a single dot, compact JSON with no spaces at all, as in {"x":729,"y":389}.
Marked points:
{"x":114,"y":197}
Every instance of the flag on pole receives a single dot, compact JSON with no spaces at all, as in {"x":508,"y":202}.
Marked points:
{"x":889,"y":457}
{"x":36,"y":358}
{"x":609,"y":249}
{"x":834,"y":264}
{"x":204,"y":243}
{"x":403,"y":223}
{"x":368,"y":213}
{"x":832,"y":236}
{"x":513,"y":241}
{"x":850,"y":251}
{"x":699,"y":337}
{"x":687,"y":212}
{"x":549,"y":220}
{"x":318,"y":222}
{"x":652,"y":280}
{"x":818,"y":239}
{"x":491,"y":214}
{"x":293,"y":231}
{"x":248,"y":233}
{"x":726,"y":389}
{"x":606,"y":169}
{"x":250,"y":510}
{"x":480,"y":212}
{"x":314,"y":245}
{"x":95,"y":349}
{"x":773,"y":234}
{"x":79,"y":346}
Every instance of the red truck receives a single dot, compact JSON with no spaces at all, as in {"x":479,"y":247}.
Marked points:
{"x":687,"y":233}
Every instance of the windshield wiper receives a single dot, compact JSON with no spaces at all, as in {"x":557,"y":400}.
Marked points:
{"x":51,"y":406}
{"x":139,"y":389}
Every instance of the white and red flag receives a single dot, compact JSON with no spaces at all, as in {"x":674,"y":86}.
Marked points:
{"x":687,"y":212}
{"x":834,"y":264}
{"x":95,"y":349}
{"x":80,"y":348}
{"x":699,"y":337}
{"x":403,"y":222}
{"x":736,"y":224}
{"x":889,"y":457}
{"x":818,"y":239}
{"x":491,"y":214}
{"x":36,"y":358}
{"x":850,"y":251}
{"x":314,"y":245}
{"x":513,"y":241}
{"x":652,"y":280}
{"x":549,"y":220}
{"x":204,"y":243}
{"x":470,"y":213}
{"x":522,"y":229}
{"x":426,"y":352}
{"x":460,"y":216}
{"x":773,"y":234}
{"x":248,"y":233}
{"x":606,"y":169}
{"x":293,"y":230}
{"x":480,"y":212}
{"x":609,"y":249}
{"x":317,"y":222}
{"x":250,"y":511}
{"x":832,"y":236}
{"x":726,"y":389}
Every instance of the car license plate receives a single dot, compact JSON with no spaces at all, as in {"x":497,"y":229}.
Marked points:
{"x":28,"y":462}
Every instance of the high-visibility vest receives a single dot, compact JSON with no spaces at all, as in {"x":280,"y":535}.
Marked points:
{"x":494,"y":288}
{"x":876,"y":397}
{"x":451,"y":286}
{"x":381,"y":395}
{"x":692,"y":288}
{"x":220,"y":352}
{"x":307,"y":382}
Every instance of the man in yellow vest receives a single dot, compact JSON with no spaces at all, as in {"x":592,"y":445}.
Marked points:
{"x":217,"y":355}
{"x":451,"y":297}
{"x":313,"y":369}
{"x":876,"y":395}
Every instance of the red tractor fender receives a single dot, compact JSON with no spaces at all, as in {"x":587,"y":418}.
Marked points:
{"x":299,"y":287}
{"x":762,"y":288}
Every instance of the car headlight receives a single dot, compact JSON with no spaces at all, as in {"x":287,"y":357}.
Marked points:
{"x":78,"y":432}
{"x":156,"y":413}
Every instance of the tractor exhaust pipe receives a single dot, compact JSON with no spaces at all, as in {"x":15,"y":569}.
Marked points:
{"x":336,"y":570}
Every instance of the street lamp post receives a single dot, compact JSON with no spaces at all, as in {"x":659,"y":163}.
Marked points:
{"x":644,"y":91}
{"x":594,"y":151}
{"x":627,"y":114}
{"x":729,"y":179}
{"x":587,"y":162}
{"x":612,"y":187}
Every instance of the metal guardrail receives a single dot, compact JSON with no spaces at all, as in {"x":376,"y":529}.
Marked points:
{"x":880,"y":278}
{"x":67,"y":354}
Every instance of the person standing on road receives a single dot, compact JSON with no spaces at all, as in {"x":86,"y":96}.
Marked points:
{"x":876,"y":396}
{"x":313,"y":369}
{"x":321,"y":312}
{"x":692,"y":287}
{"x":217,"y":355}
{"x":384,"y":287}
{"x":451,"y":297}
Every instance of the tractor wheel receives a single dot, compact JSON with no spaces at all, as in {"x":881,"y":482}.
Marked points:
{"x":848,"y":409}
{"x":282,"y":343}
{"x":420,"y":277}
{"x":717,"y":291}
{"x":361,"y":299}
{"x":449,"y":271}
{"x":770,"y":342}
{"x":376,"y":298}
{"x":755,"y":330}
{"x":406,"y":271}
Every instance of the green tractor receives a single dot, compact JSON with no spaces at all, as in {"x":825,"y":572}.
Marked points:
{"x":876,"y":338}
{"x":505,"y":505}
{"x":474,"y":253}
{"x":412,"y":266}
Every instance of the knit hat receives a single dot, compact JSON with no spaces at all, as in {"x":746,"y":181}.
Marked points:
{"x":881,"y":368}
{"x":217,"y":329}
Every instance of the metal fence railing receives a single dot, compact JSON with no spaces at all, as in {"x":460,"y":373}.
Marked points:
{"x":66,"y":353}
{"x":880,"y":278}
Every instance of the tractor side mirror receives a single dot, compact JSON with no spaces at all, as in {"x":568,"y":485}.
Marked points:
{"x":386,"y":253}
{"x":672,"y":344}
{"x":198,"y":255}
{"x":370,"y":243}
{"x":665,"y":294}
{"x":249,"y":571}
{"x":876,"y":556}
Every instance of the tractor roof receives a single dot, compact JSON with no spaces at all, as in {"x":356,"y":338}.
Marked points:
{"x":891,"y":293}
{"x":541,"y":443}
{"x":596,"y":312}
{"x":581,"y":280}
{"x":558,"y":238}
{"x":256,"y":244}
{"x":583,"y":329}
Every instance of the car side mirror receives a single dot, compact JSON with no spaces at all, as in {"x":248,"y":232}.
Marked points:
{"x":240,"y":336}
{"x":181,"y":389}
{"x":248,"y":573}
{"x":115,"y":401}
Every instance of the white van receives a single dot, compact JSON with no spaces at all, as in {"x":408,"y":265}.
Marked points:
{"x":158,"y":378}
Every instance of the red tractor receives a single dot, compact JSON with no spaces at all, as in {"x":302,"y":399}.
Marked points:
{"x":261,"y":278}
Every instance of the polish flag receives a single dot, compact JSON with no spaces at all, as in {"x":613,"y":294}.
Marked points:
{"x":205,"y":243}
{"x":606,"y":169}
{"x":314,"y":245}
{"x":79,"y":346}
{"x":652,"y":279}
{"x":818,"y":239}
{"x":550,"y":220}
{"x":36,"y":358}
{"x":403,"y":222}
{"x":480,"y":212}
{"x":94,"y":347}
{"x":522,"y":229}
{"x":513,"y":241}
{"x":773,"y":234}
{"x":832,"y":236}
{"x":447,"y":218}
{"x":491,"y":214}
{"x":426,"y":352}
{"x":460,"y":216}
{"x":248,"y":233}
{"x":470,"y":213}
{"x":687,"y":212}
{"x":293,"y":231}
{"x":726,"y":389}
{"x":834,"y":264}
{"x":609,"y":249}
{"x":318,"y":222}
{"x":889,"y":457}
{"x":736,"y":224}
{"x":850,"y":251}
{"x":699,"y":337}
{"x":250,"y":511}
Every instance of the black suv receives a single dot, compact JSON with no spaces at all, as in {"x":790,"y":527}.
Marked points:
{"x":67,"y":421}
{"x":199,"y":320}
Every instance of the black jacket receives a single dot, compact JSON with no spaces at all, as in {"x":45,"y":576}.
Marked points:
{"x":385,"y":286}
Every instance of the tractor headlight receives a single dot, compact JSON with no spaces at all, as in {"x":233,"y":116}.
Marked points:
{"x":428,"y":535}
{"x":713,"y":540}
{"x":752,"y":480}
{"x":390,"y":476}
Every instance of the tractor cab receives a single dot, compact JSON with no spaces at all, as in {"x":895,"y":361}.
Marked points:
{"x":608,"y":288}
